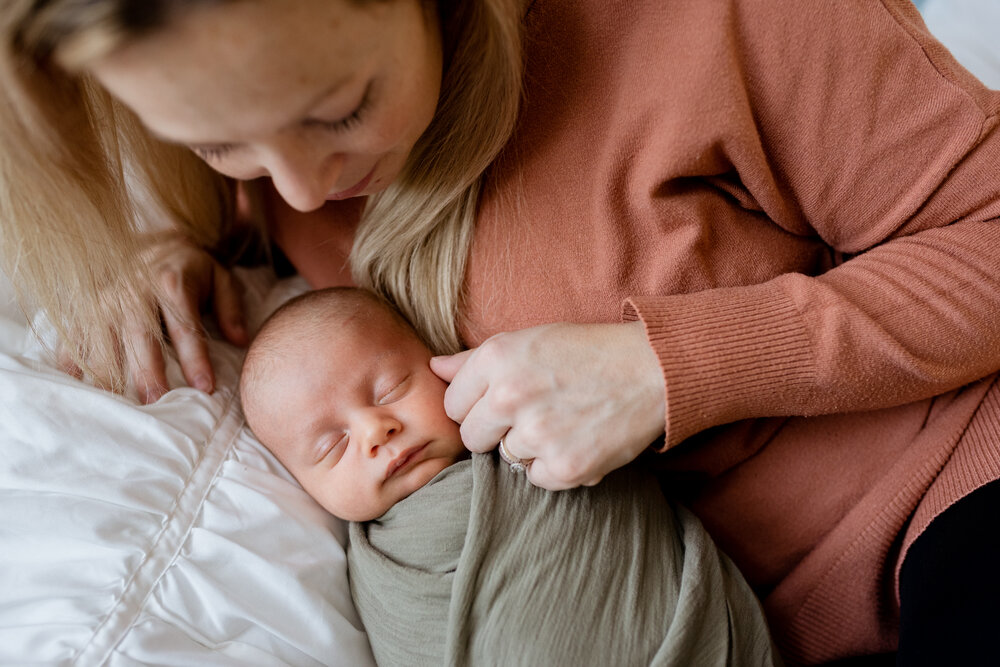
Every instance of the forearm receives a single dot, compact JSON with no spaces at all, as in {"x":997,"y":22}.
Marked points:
{"x":903,"y":176}
{"x":905,"y":321}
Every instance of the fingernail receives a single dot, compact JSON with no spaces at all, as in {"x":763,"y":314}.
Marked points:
{"x":203,"y":383}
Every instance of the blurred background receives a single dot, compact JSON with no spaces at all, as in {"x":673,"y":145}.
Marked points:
{"x":969,"y":28}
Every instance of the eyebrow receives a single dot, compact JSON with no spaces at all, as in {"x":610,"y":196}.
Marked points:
{"x":304,"y":112}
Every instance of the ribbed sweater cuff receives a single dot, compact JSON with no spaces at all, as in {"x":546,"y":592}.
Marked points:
{"x":726,"y":354}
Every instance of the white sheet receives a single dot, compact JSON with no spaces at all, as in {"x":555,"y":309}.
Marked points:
{"x":968,"y":28}
{"x":157,"y":535}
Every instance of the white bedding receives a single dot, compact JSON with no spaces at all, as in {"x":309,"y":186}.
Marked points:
{"x":157,"y":535}
{"x":968,"y":28}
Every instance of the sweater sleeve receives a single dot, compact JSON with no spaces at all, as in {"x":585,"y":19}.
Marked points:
{"x":875,"y":140}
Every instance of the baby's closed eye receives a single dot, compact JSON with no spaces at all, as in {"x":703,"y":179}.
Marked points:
{"x":331,"y":448}
{"x":392,"y":390}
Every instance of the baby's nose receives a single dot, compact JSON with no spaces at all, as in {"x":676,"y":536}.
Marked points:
{"x":379,"y":431}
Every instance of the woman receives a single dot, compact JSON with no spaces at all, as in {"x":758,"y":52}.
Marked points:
{"x":762,"y":231}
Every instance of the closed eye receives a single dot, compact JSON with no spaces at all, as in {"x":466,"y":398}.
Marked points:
{"x":215,"y":152}
{"x":395,"y":391}
{"x":332,"y":449}
{"x":348,"y":122}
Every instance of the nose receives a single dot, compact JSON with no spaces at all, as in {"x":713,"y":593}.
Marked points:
{"x":377,"y":429}
{"x":303,"y":175}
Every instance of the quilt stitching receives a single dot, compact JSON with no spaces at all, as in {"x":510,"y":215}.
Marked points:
{"x":166,"y":546}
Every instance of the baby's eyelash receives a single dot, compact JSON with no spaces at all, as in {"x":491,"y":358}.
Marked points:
{"x":394,"y":393}
{"x":332,"y":445}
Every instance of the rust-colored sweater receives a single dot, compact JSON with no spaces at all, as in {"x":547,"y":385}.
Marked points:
{"x":799,"y":200}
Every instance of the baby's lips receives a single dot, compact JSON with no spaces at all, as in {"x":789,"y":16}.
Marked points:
{"x":404,"y":458}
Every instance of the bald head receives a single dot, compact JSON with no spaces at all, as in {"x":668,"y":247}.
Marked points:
{"x":322,"y":316}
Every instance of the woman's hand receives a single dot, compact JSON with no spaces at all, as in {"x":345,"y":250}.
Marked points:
{"x":189,"y":281}
{"x":579,"y":399}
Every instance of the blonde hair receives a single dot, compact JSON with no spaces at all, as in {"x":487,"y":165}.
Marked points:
{"x":413,"y":242}
{"x":78,"y":173}
{"x":80,"y":180}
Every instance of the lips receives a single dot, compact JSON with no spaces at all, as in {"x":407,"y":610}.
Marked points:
{"x":353,"y":191}
{"x":407,"y":457}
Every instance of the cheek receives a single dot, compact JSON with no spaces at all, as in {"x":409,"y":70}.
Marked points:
{"x":410,"y":110}
{"x":434,"y":416}
{"x":337,"y":496}
{"x":398,"y":128}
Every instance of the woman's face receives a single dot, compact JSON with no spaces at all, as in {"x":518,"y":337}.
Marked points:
{"x":325,"y":97}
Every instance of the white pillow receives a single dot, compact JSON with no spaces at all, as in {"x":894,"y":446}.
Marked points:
{"x":157,"y":535}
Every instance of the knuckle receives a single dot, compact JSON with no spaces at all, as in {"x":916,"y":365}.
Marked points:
{"x":171,"y":281}
{"x":494,"y":350}
{"x":467,"y":436}
{"x":451,"y":407}
{"x":568,"y":471}
{"x":506,"y":397}
{"x":537,"y":430}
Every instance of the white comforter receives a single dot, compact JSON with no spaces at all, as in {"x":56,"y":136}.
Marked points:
{"x":156,"y":535}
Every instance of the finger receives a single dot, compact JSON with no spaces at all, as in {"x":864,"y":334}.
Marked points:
{"x":228,"y":300}
{"x":541,"y":475}
{"x":66,"y":364}
{"x":482,"y":427}
{"x":467,"y":388}
{"x":189,"y":340}
{"x":515,"y":461}
{"x":147,"y":368}
{"x":447,"y":366}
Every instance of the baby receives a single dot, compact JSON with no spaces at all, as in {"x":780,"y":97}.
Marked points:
{"x":337,"y":385}
{"x":455,"y":560}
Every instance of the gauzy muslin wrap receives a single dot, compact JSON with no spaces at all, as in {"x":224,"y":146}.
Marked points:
{"x":479,"y":567}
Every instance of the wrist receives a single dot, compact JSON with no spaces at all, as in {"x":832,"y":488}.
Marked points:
{"x":650,"y":380}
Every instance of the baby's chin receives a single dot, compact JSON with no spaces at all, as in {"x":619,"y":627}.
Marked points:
{"x":418,"y":478}
{"x":403,"y":487}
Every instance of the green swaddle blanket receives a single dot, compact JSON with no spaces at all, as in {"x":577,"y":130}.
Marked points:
{"x":479,"y":567}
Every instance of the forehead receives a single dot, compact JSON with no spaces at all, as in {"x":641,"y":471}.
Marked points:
{"x":255,"y":57}
{"x":343,"y":346}
{"x":309,"y":371}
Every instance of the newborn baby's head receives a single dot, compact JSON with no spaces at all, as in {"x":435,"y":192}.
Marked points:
{"x":338,"y":386}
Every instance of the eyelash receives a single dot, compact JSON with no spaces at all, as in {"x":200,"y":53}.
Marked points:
{"x":333,"y":445}
{"x":351,"y":121}
{"x":391,"y":394}
{"x":212,"y":153}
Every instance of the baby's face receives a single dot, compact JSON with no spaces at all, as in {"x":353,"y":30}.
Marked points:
{"x":358,"y":418}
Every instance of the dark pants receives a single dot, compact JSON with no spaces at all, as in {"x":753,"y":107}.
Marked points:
{"x":950,"y":587}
